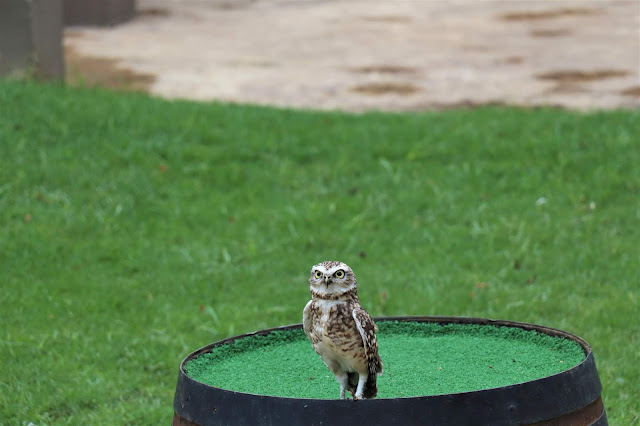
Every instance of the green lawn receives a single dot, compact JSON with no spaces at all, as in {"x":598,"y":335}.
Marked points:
{"x":135,"y":230}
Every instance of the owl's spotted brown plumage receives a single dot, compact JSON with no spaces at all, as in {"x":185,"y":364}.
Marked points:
{"x":341,"y":331}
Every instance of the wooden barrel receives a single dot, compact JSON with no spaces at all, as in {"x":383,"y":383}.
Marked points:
{"x":571,"y":397}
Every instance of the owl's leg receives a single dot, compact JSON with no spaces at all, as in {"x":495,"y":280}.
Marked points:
{"x":362,"y":380}
{"x":341,"y":375}
{"x":344,"y":381}
{"x":352,"y":383}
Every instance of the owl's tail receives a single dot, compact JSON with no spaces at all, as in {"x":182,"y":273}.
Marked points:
{"x":374,"y":368}
{"x":371,"y":387}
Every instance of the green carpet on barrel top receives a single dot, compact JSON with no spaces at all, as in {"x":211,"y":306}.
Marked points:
{"x":419,"y":359}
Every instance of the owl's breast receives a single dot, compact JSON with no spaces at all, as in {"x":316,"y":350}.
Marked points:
{"x":335,"y":329}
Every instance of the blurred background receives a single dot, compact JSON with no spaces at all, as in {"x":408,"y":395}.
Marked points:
{"x":352,"y":55}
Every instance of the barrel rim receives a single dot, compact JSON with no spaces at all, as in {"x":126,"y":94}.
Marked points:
{"x":539,"y":401}
{"x":554,"y":332}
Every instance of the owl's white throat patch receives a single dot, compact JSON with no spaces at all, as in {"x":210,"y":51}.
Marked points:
{"x":332,"y":289}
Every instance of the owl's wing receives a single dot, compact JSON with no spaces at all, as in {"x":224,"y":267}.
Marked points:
{"x":306,"y":319}
{"x":367,"y":329}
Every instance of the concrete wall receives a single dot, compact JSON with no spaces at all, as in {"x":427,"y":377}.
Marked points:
{"x":31,"y":38}
{"x":98,"y":12}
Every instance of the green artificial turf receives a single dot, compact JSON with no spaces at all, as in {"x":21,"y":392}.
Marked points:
{"x":419,"y":359}
{"x":134,"y":230}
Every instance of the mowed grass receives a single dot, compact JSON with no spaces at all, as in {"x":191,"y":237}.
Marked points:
{"x":134,"y":230}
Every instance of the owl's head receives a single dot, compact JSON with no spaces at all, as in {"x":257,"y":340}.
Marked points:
{"x":331,"y":277}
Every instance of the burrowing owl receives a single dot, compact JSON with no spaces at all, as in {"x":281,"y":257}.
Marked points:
{"x":340,"y":331}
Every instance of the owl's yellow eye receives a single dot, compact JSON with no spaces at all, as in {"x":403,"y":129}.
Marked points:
{"x":340,"y":273}
{"x":318,"y":274}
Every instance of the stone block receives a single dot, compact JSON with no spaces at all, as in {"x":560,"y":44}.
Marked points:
{"x":31,"y":38}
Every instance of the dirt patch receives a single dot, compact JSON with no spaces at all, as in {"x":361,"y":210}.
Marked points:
{"x":467,"y":104}
{"x":383,"y":69}
{"x":387,"y":18}
{"x":235,"y":4}
{"x":548,"y":14}
{"x":550,"y":33}
{"x":567,"y":88}
{"x":317,"y":54}
{"x":631,"y":91}
{"x":153,"y":12}
{"x":386,"y":88}
{"x":511,"y":60}
{"x":475,"y":47}
{"x":253,"y":63}
{"x":92,"y":71}
{"x":71,"y":34}
{"x":573,"y":76}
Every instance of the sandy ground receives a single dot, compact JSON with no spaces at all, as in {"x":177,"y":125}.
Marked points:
{"x":378,"y":54}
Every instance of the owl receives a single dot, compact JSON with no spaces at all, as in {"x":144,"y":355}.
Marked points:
{"x":341,"y":331}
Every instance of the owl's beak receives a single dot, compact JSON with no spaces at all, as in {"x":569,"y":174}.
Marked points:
{"x":326,"y":281}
